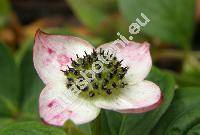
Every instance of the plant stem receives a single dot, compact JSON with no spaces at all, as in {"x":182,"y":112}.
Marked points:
{"x":96,"y":126}
{"x":71,"y":129}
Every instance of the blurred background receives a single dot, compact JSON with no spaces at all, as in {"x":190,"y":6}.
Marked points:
{"x":173,"y":31}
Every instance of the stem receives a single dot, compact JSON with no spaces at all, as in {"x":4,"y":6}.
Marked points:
{"x":71,"y":129}
{"x":96,"y":126}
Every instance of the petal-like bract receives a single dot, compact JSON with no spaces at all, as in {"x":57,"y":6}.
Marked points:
{"x":141,"y":97}
{"x":134,"y":55}
{"x":57,"y":105}
{"x":52,"y":54}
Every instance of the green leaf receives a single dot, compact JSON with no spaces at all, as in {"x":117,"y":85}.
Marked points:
{"x":140,"y":124}
{"x":92,"y":13}
{"x":183,"y":115}
{"x":5,"y":121}
{"x":171,"y":21}
{"x":5,"y":11}
{"x":195,"y":130}
{"x":31,"y":85}
{"x":186,"y":80}
{"x":9,"y":83}
{"x":30,"y":128}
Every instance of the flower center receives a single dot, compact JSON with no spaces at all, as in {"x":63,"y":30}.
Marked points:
{"x":97,"y":75}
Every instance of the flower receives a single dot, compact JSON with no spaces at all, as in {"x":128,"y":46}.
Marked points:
{"x":119,"y":86}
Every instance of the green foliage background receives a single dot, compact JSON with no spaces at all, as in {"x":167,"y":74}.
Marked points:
{"x":172,"y":26}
